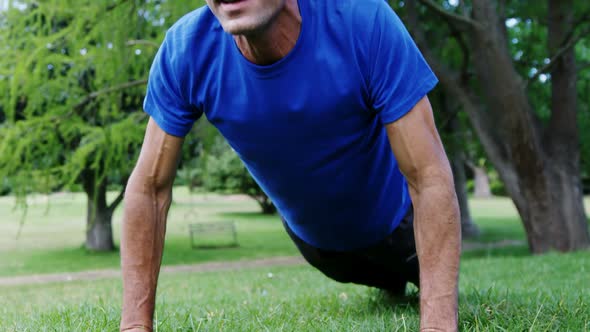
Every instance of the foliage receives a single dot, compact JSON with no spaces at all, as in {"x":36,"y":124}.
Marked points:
{"x":223,"y":171}
{"x":60,"y":125}
{"x":200,"y":139}
{"x":74,"y":73}
{"x":510,"y":67}
{"x":528,"y":35}
{"x":527,"y":30}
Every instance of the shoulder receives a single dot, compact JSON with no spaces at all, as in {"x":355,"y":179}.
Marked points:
{"x":360,"y":20}
{"x":370,"y":23}
{"x":193,"y":31}
{"x":359,"y":14}
{"x":198,"y":23}
{"x":371,"y":17}
{"x":364,"y":11}
{"x":188,"y":46}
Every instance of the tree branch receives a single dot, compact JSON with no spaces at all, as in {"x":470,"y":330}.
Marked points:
{"x":470,"y":164}
{"x":117,"y":201}
{"x":115,"y":5}
{"x":454,"y":86}
{"x":99,"y":93}
{"x":119,"y":197}
{"x":549,"y":66}
{"x":459,"y":19}
{"x":584,"y":18}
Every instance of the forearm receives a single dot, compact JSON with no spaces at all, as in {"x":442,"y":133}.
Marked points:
{"x":437,"y":229}
{"x":142,"y":241}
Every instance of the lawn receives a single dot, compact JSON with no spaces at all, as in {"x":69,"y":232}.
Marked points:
{"x":547,"y":293}
{"x":502,"y":289}
{"x":53,"y":233}
{"x":51,"y":237}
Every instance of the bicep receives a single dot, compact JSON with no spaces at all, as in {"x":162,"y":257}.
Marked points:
{"x":158,"y":158}
{"x":417,"y":147}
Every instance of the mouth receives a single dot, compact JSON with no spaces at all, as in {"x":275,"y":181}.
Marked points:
{"x":232,"y":6}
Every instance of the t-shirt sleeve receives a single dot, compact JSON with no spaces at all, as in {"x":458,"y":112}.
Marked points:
{"x":399,"y":75}
{"x":164,"y":100}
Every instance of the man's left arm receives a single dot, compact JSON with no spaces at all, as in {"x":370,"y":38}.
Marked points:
{"x":437,"y":226}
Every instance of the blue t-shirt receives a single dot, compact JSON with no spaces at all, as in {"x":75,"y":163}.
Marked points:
{"x":310,"y":127}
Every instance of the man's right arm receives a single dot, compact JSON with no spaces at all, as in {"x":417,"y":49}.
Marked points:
{"x":147,"y":199}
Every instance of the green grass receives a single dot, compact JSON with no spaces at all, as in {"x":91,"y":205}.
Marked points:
{"x":503,"y":289}
{"x":547,"y":293}
{"x":53,"y":232}
{"x":52,"y":235}
{"x":497,"y":219}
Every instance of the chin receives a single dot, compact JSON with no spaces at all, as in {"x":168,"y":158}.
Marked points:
{"x":242,"y":27}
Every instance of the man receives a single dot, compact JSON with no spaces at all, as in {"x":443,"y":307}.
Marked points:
{"x":325,"y":102}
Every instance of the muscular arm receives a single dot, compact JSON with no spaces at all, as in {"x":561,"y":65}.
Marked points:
{"x":147,"y":199}
{"x":418,"y":149}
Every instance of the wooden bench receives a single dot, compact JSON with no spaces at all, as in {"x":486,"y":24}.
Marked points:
{"x":223,"y":232}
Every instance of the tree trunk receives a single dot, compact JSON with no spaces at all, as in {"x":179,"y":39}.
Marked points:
{"x":468,"y":228}
{"x":556,"y":221}
{"x":560,"y":222}
{"x":481,"y":183}
{"x":561,"y":138}
{"x":551,"y":205}
{"x":268,"y":208}
{"x":454,"y":133}
{"x":99,"y":232}
{"x":265,"y":204}
{"x":540,"y":168}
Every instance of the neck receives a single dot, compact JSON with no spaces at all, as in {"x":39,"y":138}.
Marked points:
{"x":275,"y":41}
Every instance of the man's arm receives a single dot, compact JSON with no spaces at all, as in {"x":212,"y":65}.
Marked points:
{"x":147,"y":199}
{"x":437,"y":226}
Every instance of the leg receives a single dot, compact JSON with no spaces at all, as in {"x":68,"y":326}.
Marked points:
{"x":350,"y":267}
{"x":397,"y":252}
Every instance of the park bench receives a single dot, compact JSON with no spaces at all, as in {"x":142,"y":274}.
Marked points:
{"x":212,"y":235}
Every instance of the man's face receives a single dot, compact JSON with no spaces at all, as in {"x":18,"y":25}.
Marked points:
{"x":243,"y":17}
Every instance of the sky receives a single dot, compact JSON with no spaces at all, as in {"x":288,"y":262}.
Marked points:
{"x":4,"y":4}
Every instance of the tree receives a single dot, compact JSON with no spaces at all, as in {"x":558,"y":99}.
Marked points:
{"x":76,"y":74}
{"x":584,"y":115}
{"x":223,"y":171}
{"x":532,"y":142}
{"x":453,"y":134}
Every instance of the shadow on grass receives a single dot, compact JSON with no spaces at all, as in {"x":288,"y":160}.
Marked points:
{"x":498,"y":229}
{"x":509,"y":251}
{"x":380,"y":301}
{"x":411,"y":300}
{"x":500,"y":237}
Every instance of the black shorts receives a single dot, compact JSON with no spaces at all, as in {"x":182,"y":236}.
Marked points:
{"x":387,"y":265}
